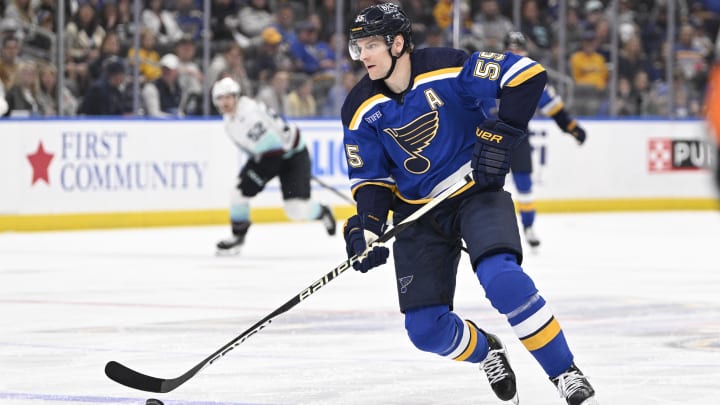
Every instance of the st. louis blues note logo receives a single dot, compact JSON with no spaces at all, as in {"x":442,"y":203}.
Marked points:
{"x":404,"y":283}
{"x":413,"y":138}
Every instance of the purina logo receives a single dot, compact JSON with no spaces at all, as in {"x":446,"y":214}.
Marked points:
{"x":666,"y":154}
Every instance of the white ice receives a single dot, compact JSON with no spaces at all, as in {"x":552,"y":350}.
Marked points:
{"x":638,"y":295}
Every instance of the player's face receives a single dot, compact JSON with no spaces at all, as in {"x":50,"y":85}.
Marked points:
{"x":373,"y":53}
{"x":226,"y":103}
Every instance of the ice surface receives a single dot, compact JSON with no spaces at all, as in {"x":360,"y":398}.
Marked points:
{"x":638,"y":295}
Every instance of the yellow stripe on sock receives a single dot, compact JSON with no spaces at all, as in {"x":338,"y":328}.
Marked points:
{"x":543,"y":336}
{"x":471,"y":345}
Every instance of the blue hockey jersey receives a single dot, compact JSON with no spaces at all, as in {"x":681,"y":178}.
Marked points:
{"x":420,"y":142}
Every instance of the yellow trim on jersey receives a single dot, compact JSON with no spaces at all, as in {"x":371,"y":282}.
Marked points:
{"x":556,"y":109}
{"x":543,"y":336}
{"x":440,"y":72}
{"x":472,"y":344}
{"x":525,"y":75}
{"x":426,"y":200}
{"x":372,"y":183}
{"x":354,"y":122}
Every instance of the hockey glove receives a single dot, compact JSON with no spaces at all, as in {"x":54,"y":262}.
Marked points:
{"x":491,"y":156}
{"x":578,"y":133}
{"x":358,"y":240}
{"x":255,"y":174}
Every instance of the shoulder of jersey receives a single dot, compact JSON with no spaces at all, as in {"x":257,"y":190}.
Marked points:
{"x":423,"y":61}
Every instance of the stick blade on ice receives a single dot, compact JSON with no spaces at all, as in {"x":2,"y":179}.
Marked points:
{"x":131,"y":378}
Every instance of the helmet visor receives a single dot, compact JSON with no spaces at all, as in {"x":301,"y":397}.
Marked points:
{"x":369,"y":45}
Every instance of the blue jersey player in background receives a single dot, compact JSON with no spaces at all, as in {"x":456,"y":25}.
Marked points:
{"x":550,"y":105}
{"x":413,"y":126}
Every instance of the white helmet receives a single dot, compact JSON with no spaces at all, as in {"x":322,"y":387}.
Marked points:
{"x":223,"y":87}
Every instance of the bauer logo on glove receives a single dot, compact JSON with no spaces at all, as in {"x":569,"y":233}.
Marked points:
{"x":488,"y":136}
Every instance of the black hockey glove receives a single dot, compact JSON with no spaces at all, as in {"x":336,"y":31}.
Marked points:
{"x":358,"y":239}
{"x":491,"y":156}
{"x":578,"y":133}
{"x":254,"y":175}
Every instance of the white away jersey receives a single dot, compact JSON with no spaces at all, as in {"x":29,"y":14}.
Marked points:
{"x":258,"y":130}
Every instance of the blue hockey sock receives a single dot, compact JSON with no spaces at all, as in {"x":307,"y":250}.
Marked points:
{"x":541,"y":334}
{"x":437,"y":330}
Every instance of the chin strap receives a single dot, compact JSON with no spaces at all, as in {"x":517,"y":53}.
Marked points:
{"x":394,"y":61}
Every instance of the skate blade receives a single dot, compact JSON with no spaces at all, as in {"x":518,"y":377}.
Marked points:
{"x":234,"y":251}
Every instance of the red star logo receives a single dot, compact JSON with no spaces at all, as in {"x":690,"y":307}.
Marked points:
{"x":40,"y":160}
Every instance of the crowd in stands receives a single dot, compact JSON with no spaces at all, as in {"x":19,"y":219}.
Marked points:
{"x":284,"y":53}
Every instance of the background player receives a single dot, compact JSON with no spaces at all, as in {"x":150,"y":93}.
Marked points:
{"x":413,"y":126}
{"x":550,"y":105}
{"x":274,"y":147}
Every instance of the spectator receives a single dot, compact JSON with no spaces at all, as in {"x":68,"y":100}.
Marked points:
{"x":285,"y":23}
{"x":537,"y":31}
{"x":160,"y":22}
{"x":275,"y":94}
{"x":690,"y":57}
{"x":434,"y":37}
{"x":110,"y":48}
{"x":220,"y":10}
{"x":115,"y":17}
{"x":310,"y":55}
{"x":421,"y":14}
{"x":189,"y":19}
{"x":231,"y":62}
{"x":41,"y":38}
{"x":22,"y":95}
{"x":588,"y":66}
{"x":442,"y":13}
{"x":21,"y":11}
{"x":269,"y":56}
{"x":590,"y":74}
{"x":253,"y":18}
{"x":574,"y":29}
{"x":148,"y":55}
{"x":9,"y":60}
{"x":163,"y":95}
{"x":336,"y":96}
{"x":646,"y":97}
{"x":326,"y":14}
{"x":631,"y":58}
{"x":490,"y":27}
{"x":48,"y":94}
{"x":190,"y":77}
{"x":84,"y":34}
{"x":301,"y":102}
{"x":105,"y":96}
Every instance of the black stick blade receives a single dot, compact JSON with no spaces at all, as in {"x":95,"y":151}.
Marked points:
{"x":131,"y":378}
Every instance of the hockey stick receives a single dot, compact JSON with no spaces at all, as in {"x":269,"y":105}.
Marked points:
{"x":334,"y":190}
{"x":133,"y":379}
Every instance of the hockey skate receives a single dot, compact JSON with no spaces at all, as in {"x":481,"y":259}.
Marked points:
{"x":531,"y":238}
{"x":497,"y":368}
{"x":231,"y":245}
{"x":574,"y":387}
{"x":328,"y":219}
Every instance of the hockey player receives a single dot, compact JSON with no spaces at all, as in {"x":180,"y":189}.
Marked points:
{"x":413,"y":126}
{"x":274,"y":147}
{"x":521,"y":163}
